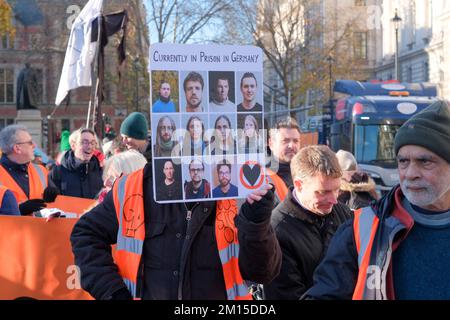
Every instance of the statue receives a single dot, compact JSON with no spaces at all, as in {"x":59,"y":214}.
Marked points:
{"x":27,"y":89}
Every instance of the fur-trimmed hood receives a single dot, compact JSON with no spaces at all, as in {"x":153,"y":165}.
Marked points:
{"x":357,"y":181}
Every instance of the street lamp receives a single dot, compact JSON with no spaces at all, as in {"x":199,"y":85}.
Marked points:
{"x":397,"y":21}
{"x":330,"y":61}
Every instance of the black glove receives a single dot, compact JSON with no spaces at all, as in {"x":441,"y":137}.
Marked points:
{"x":50,"y":194}
{"x":122,"y":294}
{"x":30,"y":206}
{"x":261,"y":210}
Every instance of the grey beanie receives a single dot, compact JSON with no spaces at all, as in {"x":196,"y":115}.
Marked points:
{"x":429,"y":128}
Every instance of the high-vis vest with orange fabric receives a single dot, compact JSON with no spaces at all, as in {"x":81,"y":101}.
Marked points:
{"x":281,"y":190}
{"x":129,"y":204}
{"x":37,"y":176}
{"x":365,"y":226}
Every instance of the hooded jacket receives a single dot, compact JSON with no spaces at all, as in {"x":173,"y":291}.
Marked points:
{"x":357,"y":189}
{"x":75,"y":178}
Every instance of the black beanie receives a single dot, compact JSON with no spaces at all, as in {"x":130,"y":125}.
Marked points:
{"x":430,"y":129}
{"x":135,"y":126}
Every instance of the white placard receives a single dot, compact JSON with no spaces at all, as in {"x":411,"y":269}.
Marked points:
{"x":207,"y":121}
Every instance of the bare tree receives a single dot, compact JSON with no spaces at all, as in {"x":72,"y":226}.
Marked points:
{"x":296,"y":41}
{"x":180,"y":21}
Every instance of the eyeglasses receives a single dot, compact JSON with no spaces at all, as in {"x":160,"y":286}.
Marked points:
{"x":87,"y":142}
{"x":26,"y":142}
{"x":196,"y":169}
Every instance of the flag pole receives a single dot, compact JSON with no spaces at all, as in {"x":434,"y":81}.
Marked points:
{"x":94,"y":93}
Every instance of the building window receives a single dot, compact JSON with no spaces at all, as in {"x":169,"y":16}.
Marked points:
{"x":5,"y":122}
{"x":360,"y":45}
{"x":6,"y":42}
{"x":426,"y":72}
{"x":360,"y":3}
{"x":6,"y":85}
{"x":409,"y":74}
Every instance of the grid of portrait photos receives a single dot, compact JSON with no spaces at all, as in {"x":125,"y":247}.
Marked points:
{"x":207,"y":134}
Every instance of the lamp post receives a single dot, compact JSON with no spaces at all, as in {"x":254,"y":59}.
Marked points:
{"x":330,"y":61}
{"x":397,"y":21}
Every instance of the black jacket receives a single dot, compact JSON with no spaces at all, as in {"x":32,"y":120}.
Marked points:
{"x":76,"y":179}
{"x":180,"y":259}
{"x":304,"y":238}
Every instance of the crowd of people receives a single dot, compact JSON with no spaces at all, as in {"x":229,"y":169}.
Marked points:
{"x":317,"y":229}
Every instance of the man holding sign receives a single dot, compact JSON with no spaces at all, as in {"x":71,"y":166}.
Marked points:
{"x":200,"y":250}
{"x":191,"y":249}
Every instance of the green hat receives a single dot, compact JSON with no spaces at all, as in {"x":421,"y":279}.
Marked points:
{"x":135,"y":126}
{"x":65,"y":145}
{"x":430,"y":129}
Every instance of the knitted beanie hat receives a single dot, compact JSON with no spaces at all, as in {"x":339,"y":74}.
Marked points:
{"x":65,"y":145}
{"x":135,"y":126}
{"x":430,"y":129}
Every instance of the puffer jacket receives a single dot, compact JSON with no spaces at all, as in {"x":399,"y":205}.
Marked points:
{"x":75,"y":178}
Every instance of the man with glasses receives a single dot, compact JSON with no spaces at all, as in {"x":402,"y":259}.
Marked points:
{"x":225,"y":187}
{"x":24,"y":179}
{"x":80,"y":173}
{"x":198,"y":187}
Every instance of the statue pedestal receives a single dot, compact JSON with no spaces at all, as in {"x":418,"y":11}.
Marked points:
{"x":31,"y":119}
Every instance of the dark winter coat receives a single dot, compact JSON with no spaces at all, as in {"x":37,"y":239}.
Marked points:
{"x":180,"y":258}
{"x":304,"y":238}
{"x":75,"y":178}
{"x":357,"y":190}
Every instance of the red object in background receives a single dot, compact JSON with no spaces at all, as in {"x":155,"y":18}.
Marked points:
{"x":100,"y":156}
{"x":358,"y":108}
{"x":340,"y":109}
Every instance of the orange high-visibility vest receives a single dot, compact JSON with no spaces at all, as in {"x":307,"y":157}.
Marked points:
{"x":129,"y":204}
{"x":365,"y":225}
{"x":281,"y":190}
{"x":37,"y":177}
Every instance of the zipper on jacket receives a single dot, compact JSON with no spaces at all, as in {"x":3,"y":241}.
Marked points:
{"x":181,"y":271}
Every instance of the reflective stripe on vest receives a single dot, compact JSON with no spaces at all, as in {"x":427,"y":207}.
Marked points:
{"x":128,"y":194}
{"x":228,"y":246}
{"x":281,"y":190}
{"x":365,"y":226}
{"x":2,"y":193}
{"x":37,"y":177}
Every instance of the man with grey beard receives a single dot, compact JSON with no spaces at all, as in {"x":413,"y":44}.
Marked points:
{"x":399,"y":247}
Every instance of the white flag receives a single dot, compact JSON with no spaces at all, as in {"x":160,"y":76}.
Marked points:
{"x":80,"y":52}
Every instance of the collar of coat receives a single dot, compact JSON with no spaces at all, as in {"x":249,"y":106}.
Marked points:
{"x":291,"y":207}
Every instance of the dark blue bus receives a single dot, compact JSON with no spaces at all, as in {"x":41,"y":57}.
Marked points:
{"x":366,"y":118}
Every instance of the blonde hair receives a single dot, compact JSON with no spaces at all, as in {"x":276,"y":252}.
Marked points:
{"x":313,"y":160}
{"x":125,"y":162}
